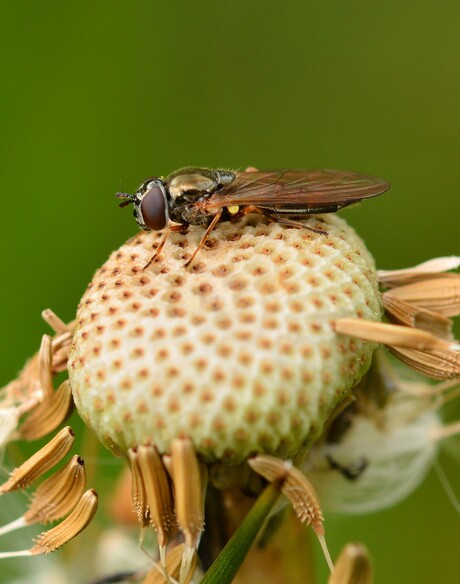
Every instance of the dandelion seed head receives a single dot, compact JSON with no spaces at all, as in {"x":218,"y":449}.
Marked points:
{"x":237,"y":351}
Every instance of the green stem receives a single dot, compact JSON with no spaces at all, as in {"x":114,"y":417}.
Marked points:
{"x":228,"y":562}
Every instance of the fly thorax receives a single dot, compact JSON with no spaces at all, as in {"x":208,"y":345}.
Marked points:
{"x":189,"y":214}
{"x":190,"y":186}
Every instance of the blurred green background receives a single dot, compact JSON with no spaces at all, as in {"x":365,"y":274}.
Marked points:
{"x":97,"y":96}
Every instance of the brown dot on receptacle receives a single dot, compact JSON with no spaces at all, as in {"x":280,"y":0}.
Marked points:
{"x":208,"y":338}
{"x":138,"y":331}
{"x":238,"y":381}
{"x":159,"y":333}
{"x":219,"y":424}
{"x":218,"y":376}
{"x":221,"y":271}
{"x":245,"y":358}
{"x":143,"y":373}
{"x":176,"y":312}
{"x":259,"y":389}
{"x":224,"y":350}
{"x":162,"y":354}
{"x":156,"y":390}
{"x":238,"y":283}
{"x":137,"y":352}
{"x":174,"y":405}
{"x":126,"y":384}
{"x":200,"y":364}
{"x":266,"y":287}
{"x":240,"y":434}
{"x":142,"y":408}
{"x":195,"y":420}
{"x":179,"y":331}
{"x":229,"y":404}
{"x":188,"y":387}
{"x":204,"y":288}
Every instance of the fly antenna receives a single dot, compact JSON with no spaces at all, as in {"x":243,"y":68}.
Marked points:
{"x":128,"y":199}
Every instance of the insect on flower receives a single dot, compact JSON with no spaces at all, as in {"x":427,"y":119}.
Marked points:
{"x":203,"y":196}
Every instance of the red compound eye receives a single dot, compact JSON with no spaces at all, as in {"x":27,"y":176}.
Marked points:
{"x":154,"y":209}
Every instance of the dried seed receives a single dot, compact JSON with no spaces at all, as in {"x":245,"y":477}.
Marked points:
{"x":54,"y":322}
{"x":435,"y":364}
{"x":415,"y":316}
{"x":420,"y":272}
{"x":298,"y":490}
{"x":173,"y":563}
{"x":138,"y":494}
{"x":61,"y":349}
{"x":49,"y":414}
{"x":40,"y":462}
{"x":295,"y":487}
{"x":58,"y":494}
{"x":45,"y":375}
{"x":394,"y":335}
{"x":75,"y":523}
{"x":440,"y":294}
{"x":188,"y":488}
{"x":353,"y":566}
{"x":54,"y":498}
{"x":23,"y":390}
{"x":152,"y":496}
{"x":417,"y":348}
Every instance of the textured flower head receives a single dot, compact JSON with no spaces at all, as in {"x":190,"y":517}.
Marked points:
{"x":238,"y":352}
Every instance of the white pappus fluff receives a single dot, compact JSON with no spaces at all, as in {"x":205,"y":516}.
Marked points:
{"x":392,"y":456}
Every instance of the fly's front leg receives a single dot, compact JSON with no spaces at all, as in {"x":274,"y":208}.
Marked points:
{"x":181,"y":228}
{"x":210,"y":227}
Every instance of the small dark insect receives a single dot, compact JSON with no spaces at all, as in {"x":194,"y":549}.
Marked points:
{"x":202,"y":196}
{"x":352,"y":471}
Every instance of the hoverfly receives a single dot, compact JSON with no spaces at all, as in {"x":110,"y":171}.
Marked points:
{"x":203,"y":196}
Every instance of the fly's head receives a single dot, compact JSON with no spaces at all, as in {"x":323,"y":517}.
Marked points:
{"x":151,"y":205}
{"x":179,"y":197}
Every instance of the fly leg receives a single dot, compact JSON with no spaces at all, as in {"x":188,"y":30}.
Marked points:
{"x":156,"y":255}
{"x":210,"y":227}
{"x":276,"y":218}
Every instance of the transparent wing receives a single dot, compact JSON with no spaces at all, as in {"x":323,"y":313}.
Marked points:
{"x":321,"y":189}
